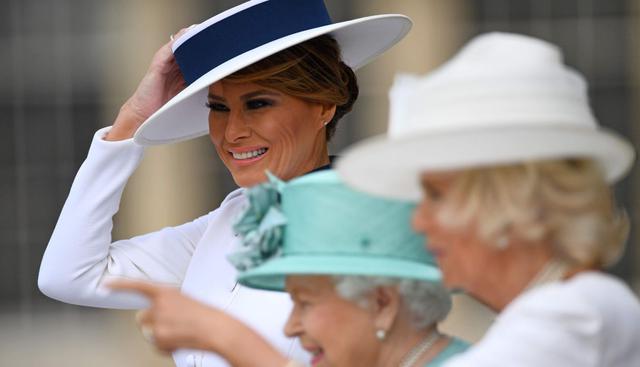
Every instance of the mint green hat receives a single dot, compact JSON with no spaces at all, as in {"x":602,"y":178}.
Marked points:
{"x":316,"y":225}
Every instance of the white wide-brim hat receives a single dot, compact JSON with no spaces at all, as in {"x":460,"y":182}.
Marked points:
{"x":504,"y":98}
{"x":248,"y":33}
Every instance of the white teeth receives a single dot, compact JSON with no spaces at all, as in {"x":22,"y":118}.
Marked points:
{"x":249,"y":155}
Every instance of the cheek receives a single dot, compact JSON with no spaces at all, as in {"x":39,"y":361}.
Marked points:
{"x":282,"y":134}
{"x":292,"y":144}
{"x":346,"y":335}
{"x":465,"y":261}
{"x":216,"y":130}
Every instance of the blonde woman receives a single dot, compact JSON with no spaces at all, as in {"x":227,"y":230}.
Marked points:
{"x":513,"y":175}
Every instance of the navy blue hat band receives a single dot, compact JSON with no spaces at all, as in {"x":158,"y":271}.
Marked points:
{"x":246,"y":30}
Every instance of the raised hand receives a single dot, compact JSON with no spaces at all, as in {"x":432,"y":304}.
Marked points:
{"x":162,"y":81}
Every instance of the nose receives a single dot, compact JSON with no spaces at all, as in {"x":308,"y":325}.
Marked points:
{"x":237,"y":127}
{"x":293,"y":327}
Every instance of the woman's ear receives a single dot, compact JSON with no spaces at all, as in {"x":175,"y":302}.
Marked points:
{"x":326,"y":114}
{"x":386,"y":307}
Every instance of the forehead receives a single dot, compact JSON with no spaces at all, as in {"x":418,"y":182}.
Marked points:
{"x":309,"y":284}
{"x":223,"y":87}
{"x":438,"y":178}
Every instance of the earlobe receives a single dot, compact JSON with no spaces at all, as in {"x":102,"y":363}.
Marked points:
{"x":327,"y":113}
{"x":386,"y":306}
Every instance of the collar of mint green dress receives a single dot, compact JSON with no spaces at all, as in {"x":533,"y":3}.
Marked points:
{"x":455,"y":346}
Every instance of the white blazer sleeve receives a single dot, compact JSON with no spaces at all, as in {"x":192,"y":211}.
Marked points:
{"x":549,"y":326}
{"x":80,"y":254}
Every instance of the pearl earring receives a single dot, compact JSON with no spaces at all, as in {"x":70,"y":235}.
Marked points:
{"x":327,"y":123}
{"x":381,"y":334}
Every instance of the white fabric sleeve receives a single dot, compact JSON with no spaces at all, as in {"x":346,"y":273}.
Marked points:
{"x":546,"y":327}
{"x":80,"y":255}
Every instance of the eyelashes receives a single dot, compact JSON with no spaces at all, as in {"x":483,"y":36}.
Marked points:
{"x":215,"y":106}
{"x":252,"y":104}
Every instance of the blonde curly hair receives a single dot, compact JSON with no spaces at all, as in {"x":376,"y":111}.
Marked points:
{"x":564,"y":202}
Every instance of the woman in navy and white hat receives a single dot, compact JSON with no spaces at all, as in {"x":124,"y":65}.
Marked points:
{"x":276,"y":77}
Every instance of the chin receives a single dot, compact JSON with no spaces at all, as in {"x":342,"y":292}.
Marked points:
{"x":249,"y":180}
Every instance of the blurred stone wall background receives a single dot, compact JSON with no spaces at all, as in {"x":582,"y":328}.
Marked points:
{"x":67,"y":66}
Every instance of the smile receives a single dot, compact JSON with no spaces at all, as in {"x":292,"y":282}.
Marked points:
{"x":317,"y":356}
{"x":249,"y":155}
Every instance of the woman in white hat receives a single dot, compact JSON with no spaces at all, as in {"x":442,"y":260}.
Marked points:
{"x":276,"y":77}
{"x":514,"y":172}
{"x":365,"y":290}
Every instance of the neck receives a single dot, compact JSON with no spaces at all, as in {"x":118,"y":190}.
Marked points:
{"x":322,"y":154}
{"x":400,"y":343}
{"x":319,"y":158}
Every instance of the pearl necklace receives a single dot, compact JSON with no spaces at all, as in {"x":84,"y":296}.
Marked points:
{"x":416,"y":352}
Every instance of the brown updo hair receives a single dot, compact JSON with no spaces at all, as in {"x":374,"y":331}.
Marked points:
{"x":312,"y":71}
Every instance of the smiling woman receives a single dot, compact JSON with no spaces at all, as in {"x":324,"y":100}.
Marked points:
{"x":365,"y":291}
{"x":273,"y":102}
{"x":256,"y":129}
{"x":279,"y":113}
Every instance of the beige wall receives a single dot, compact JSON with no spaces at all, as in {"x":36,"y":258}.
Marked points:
{"x":439,"y":28}
{"x":175,"y":183}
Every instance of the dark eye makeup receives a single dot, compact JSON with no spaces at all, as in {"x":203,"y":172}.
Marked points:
{"x":257,"y":103}
{"x":216,"y":106}
{"x":252,"y":104}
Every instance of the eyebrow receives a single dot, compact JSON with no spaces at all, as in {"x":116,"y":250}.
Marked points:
{"x":247,"y":96}
{"x":299,"y":291}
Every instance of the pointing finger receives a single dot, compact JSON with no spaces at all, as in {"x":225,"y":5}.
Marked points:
{"x":147,"y":289}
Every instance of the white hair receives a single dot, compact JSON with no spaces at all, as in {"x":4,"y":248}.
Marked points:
{"x":426,"y":302}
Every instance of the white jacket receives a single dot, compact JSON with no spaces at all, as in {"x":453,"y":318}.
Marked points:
{"x":590,"y":320}
{"x":80,"y":255}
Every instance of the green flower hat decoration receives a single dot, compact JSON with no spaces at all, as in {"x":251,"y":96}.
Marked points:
{"x":260,"y":226}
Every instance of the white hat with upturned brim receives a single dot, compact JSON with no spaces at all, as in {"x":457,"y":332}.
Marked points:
{"x":248,"y":33}
{"x":504,"y":98}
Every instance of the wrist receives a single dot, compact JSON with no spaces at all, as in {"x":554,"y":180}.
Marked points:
{"x":236,"y":339}
{"x":125,"y":124}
